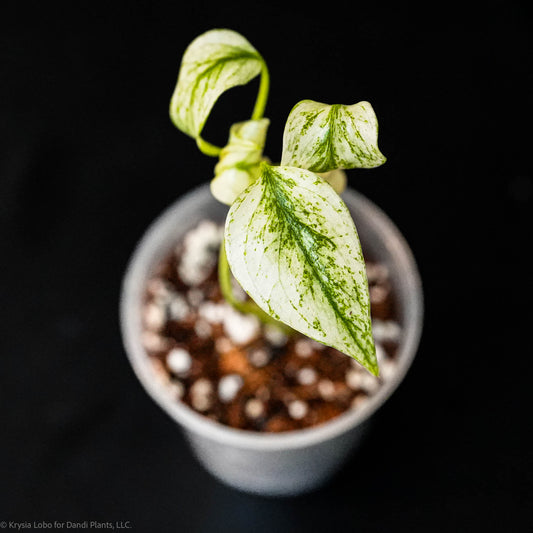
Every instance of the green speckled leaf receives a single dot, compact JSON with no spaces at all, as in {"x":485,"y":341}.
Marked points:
{"x":322,"y":137}
{"x":238,"y":166}
{"x":213,"y":63}
{"x":292,"y":245}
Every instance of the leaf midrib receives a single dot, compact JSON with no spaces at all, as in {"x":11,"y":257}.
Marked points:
{"x":292,"y":221}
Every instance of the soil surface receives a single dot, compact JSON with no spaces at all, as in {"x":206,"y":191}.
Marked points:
{"x":239,"y":372}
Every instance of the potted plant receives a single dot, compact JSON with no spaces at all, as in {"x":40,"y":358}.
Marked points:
{"x":246,"y":372}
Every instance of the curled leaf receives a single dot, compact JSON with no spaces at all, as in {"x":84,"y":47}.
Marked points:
{"x":213,"y":63}
{"x":292,"y":245}
{"x":322,"y":137}
{"x":238,"y":165}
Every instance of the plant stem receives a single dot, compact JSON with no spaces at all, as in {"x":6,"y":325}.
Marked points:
{"x":259,"y":108}
{"x":262,"y":95}
{"x":248,"y":306}
{"x":208,"y":148}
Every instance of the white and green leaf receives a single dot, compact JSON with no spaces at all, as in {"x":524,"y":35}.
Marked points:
{"x":292,"y":245}
{"x":322,"y":137}
{"x":238,"y":165}
{"x":213,"y":63}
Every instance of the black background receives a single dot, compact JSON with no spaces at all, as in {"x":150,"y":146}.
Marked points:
{"x":89,"y":157}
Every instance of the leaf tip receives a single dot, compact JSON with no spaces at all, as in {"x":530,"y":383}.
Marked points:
{"x":373,"y":369}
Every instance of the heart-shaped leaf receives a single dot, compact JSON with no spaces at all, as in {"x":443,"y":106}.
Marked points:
{"x":213,"y":63}
{"x":238,"y":166}
{"x":292,"y":245}
{"x":322,"y":137}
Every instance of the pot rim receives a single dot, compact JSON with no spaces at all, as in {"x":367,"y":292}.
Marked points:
{"x":190,"y":420}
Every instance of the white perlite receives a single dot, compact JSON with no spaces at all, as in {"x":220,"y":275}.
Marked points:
{"x":386,"y":330}
{"x":153,"y":342}
{"x":212,"y":312}
{"x":297,"y":409}
{"x":177,"y":307}
{"x":201,"y":394}
{"x":154,"y":316}
{"x":303,"y":348}
{"x":358,"y":401}
{"x":179,"y":361}
{"x":378,"y":294}
{"x":195,"y":297}
{"x":165,"y":301}
{"x":387,"y":369}
{"x":160,"y":372}
{"x":223,"y":345}
{"x":202,"y":329}
{"x":259,"y":357}
{"x":306,"y":376}
{"x":199,"y":255}
{"x":176,"y":389}
{"x":229,"y":386}
{"x":254,"y":408}
{"x":275,"y":335}
{"x":326,"y":389}
{"x":377,"y":272}
{"x":356,"y":380}
{"x":241,"y":329}
{"x":158,"y":289}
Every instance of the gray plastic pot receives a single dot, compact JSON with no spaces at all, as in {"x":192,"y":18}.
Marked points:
{"x":284,"y":463}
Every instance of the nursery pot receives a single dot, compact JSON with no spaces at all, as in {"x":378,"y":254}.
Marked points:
{"x":272,"y":464}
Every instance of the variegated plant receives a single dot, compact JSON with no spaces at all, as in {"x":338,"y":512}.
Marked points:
{"x":289,"y":238}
